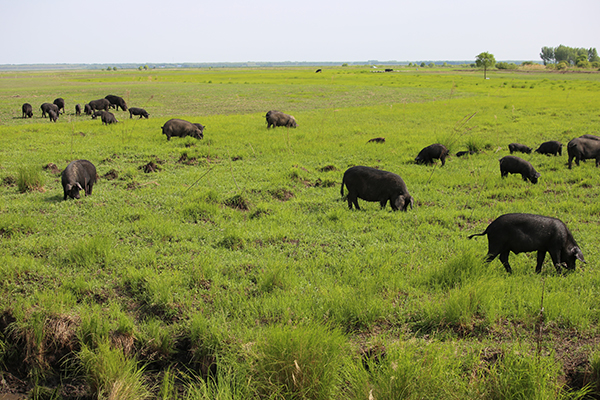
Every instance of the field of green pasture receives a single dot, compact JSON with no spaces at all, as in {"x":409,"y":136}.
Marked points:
{"x":231,"y":267}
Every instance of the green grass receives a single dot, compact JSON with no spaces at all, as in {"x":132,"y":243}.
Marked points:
{"x":237,"y":271}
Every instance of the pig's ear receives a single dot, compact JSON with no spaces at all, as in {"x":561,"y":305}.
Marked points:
{"x":68,"y":187}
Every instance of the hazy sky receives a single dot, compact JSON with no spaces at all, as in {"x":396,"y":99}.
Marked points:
{"x":172,"y":31}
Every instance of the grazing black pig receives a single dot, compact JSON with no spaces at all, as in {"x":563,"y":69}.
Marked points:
{"x":552,"y":147}
{"x":277,"y":118}
{"x":79,"y":175}
{"x":87,"y":109}
{"x":117,"y":102}
{"x":77,"y":109}
{"x":523,"y":233}
{"x":60,"y":103}
{"x":516,"y":165}
{"x":52,"y":115}
{"x":137,"y":111}
{"x":181,"y":128}
{"x":100,"y":104}
{"x":583,"y":148}
{"x":513,"y":147}
{"x":106,"y":117}
{"x":47,"y":106}
{"x":431,"y":152}
{"x":27,"y":110}
{"x":371,"y":184}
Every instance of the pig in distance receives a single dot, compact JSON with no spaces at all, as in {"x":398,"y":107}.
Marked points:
{"x":181,"y":128}
{"x":431,"y":152}
{"x":516,"y":165}
{"x":277,"y":118}
{"x":371,"y":184}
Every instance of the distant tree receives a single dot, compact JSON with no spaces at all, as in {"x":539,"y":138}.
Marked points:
{"x":485,"y":60}
{"x":568,"y":55}
{"x":423,"y":64}
{"x":140,"y":68}
{"x":114,"y":68}
{"x":547,"y":55}
{"x":146,"y":67}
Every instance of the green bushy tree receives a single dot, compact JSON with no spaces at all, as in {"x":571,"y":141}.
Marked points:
{"x":485,"y":60}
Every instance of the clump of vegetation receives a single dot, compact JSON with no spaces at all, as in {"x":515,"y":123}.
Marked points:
{"x":30,"y":178}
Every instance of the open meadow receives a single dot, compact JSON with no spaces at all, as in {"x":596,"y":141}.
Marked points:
{"x":231,"y":267}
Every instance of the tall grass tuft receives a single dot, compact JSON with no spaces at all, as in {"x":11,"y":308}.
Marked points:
{"x":111,"y":375}
{"x":517,"y":375}
{"x":30,"y":178}
{"x":299,"y":362}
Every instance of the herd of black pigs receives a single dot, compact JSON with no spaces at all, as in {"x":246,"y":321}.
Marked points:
{"x":516,"y":232}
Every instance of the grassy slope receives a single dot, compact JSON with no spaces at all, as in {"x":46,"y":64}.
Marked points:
{"x":249,"y":235}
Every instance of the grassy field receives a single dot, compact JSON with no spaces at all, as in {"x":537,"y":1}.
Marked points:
{"x":235,"y":269}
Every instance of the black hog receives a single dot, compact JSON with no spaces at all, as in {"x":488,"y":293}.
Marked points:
{"x":431,"y":152}
{"x":106,"y":117}
{"x":138,"y":111}
{"x":583,"y":148}
{"x":181,"y":128}
{"x":552,"y":147}
{"x":100,"y":104}
{"x":371,"y":184}
{"x":523,"y":233}
{"x":516,"y":165}
{"x":52,"y":115}
{"x":87,"y":109}
{"x":77,"y":109}
{"x":517,"y":147}
{"x":277,"y":118}
{"x":60,"y":103}
{"x":47,"y":106}
{"x":200,"y":126}
{"x":117,"y":102}
{"x":27,"y":110}
{"x":79,"y":175}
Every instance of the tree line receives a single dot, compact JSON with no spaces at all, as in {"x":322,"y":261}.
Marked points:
{"x":580,"y":57}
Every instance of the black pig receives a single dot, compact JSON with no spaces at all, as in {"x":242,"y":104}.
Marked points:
{"x":513,"y":147}
{"x":371,"y":184}
{"x":27,"y":110}
{"x":516,"y":165}
{"x":137,"y":111}
{"x":79,"y":175}
{"x":47,"y":106}
{"x":182,"y":128}
{"x":431,"y":152}
{"x":277,"y":118}
{"x":583,"y":148}
{"x":524,"y":233}
{"x":552,"y":147}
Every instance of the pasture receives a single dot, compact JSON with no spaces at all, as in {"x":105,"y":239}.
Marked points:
{"x":230,"y":267}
